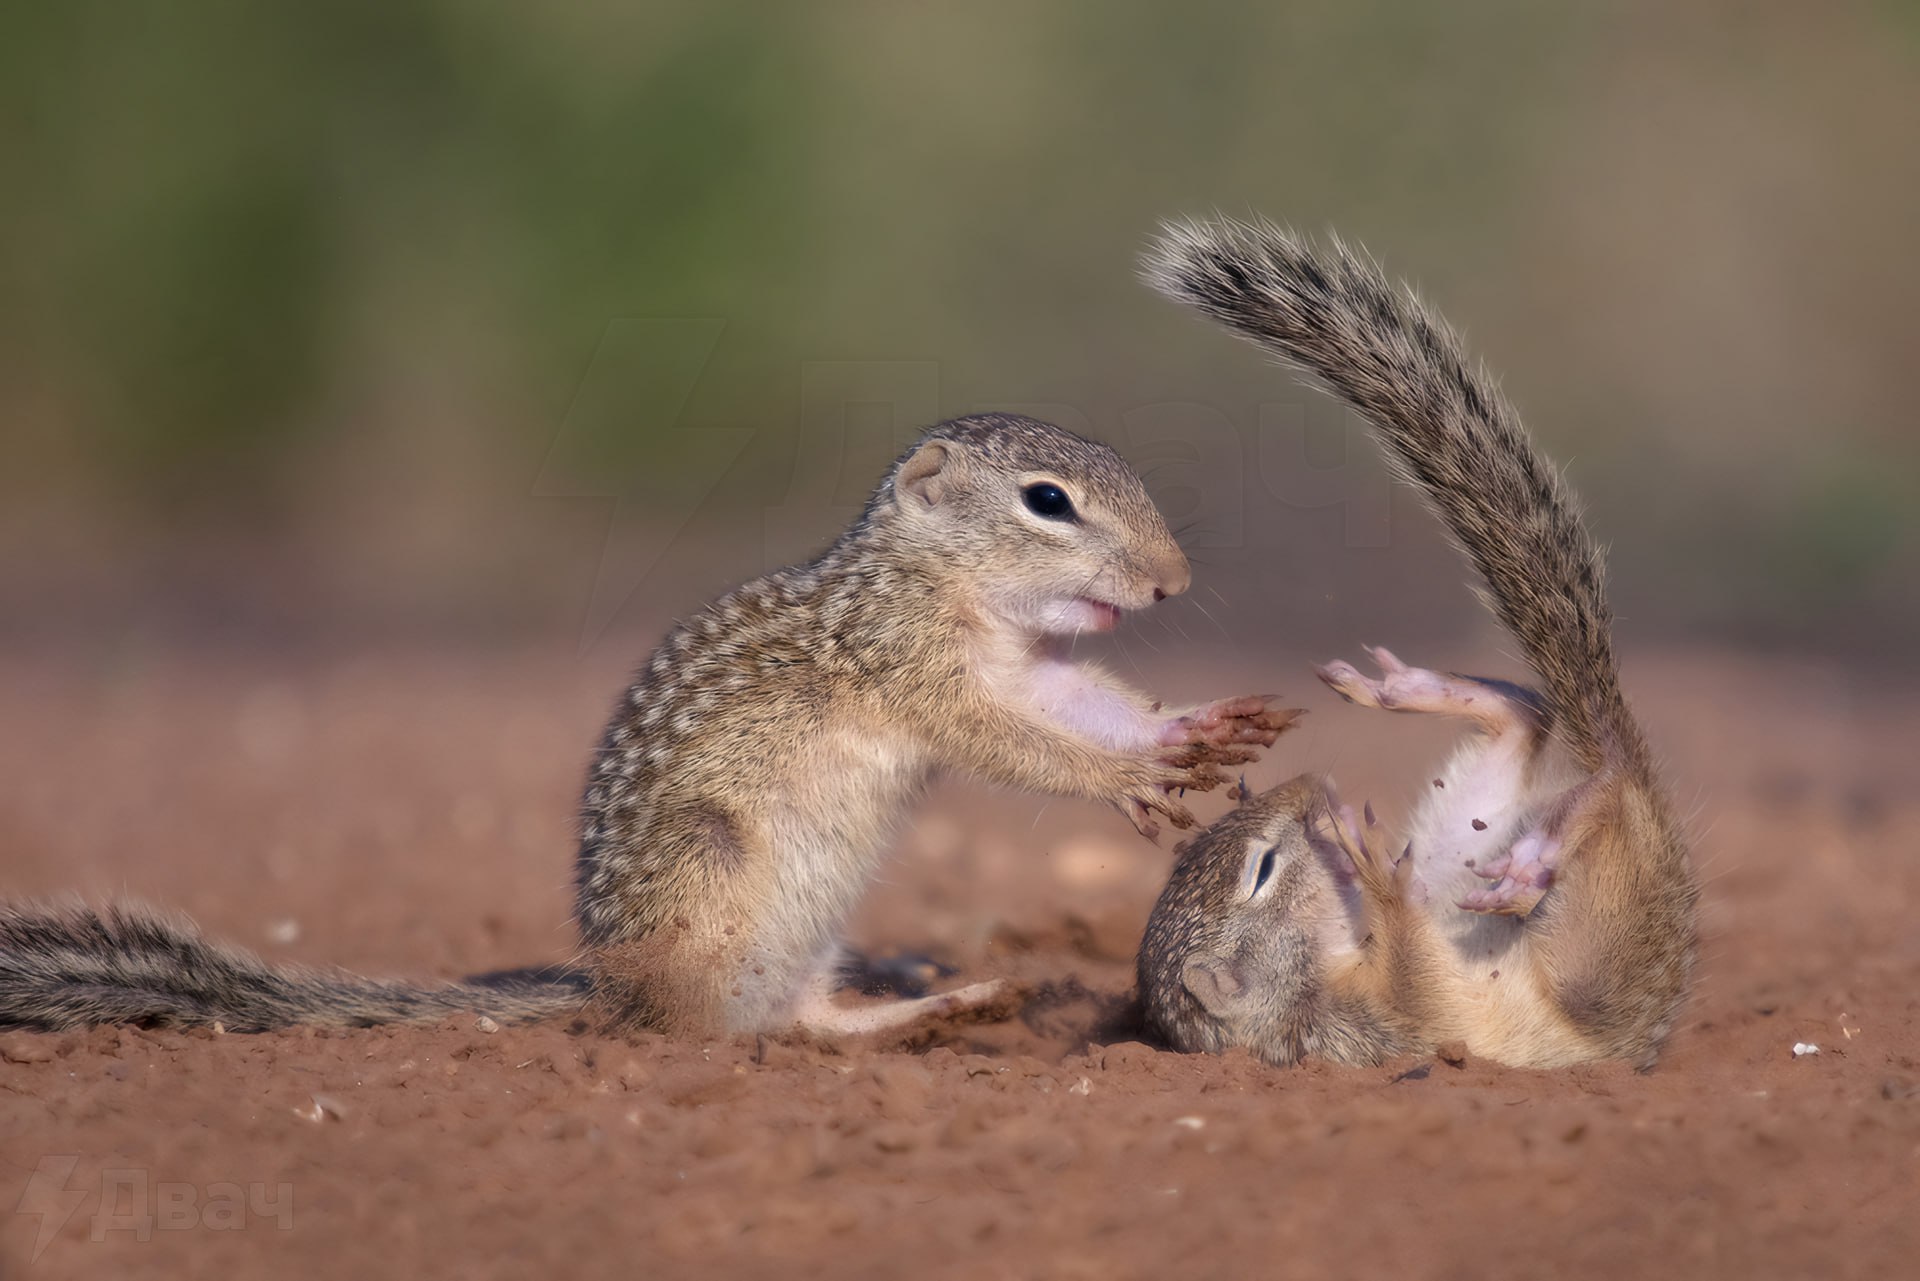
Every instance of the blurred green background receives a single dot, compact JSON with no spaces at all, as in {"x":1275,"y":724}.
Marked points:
{"x":313,"y":313}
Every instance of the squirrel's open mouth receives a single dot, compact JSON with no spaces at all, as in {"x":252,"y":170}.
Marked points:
{"x":1103,"y":616}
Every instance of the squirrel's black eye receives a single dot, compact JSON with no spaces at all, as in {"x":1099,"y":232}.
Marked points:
{"x":1266,"y":871}
{"x":1049,"y":501}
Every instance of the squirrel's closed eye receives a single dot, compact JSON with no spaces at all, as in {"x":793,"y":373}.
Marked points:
{"x":1264,"y":872}
{"x":1050,"y":501}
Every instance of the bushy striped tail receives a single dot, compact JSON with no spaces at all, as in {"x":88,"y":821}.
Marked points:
{"x":69,"y":967}
{"x":1447,"y":430}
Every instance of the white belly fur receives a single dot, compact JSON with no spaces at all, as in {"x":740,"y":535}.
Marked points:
{"x":1495,"y":781}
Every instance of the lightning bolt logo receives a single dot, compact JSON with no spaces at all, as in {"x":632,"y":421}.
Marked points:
{"x":48,"y":1196}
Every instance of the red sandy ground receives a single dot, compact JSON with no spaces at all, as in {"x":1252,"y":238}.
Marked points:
{"x":411,"y":816}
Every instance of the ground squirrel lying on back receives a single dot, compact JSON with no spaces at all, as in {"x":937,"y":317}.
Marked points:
{"x":754,"y":773}
{"x":1543,"y":912}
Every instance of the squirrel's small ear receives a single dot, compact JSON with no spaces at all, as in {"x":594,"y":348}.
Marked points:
{"x":1216,"y":983}
{"x":922,"y":478}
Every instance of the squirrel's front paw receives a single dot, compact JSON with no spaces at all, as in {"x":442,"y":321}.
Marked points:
{"x":1384,"y":878}
{"x":1233,"y":730}
{"x":1140,"y":810}
{"x":1181,"y":769}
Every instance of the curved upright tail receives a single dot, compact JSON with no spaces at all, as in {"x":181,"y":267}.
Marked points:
{"x":1447,"y":430}
{"x":73,"y":967}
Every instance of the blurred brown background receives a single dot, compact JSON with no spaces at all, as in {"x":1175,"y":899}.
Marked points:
{"x":325,"y":324}
{"x":378,"y":377}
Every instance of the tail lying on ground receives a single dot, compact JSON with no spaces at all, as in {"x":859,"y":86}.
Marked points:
{"x":69,"y":967}
{"x":1448,"y":431}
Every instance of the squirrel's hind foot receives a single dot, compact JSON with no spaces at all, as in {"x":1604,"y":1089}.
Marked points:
{"x":1495,"y":706}
{"x":1520,"y":877}
{"x":817,"y":1012}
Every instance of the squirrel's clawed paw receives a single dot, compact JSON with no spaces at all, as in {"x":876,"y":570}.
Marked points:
{"x":1385,"y":877}
{"x":1521,"y":877}
{"x":1195,"y":748}
{"x":1233,"y":730}
{"x":1182,"y":769}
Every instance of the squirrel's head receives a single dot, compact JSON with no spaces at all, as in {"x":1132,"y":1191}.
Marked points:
{"x":1236,"y":950}
{"x":1052,"y":533}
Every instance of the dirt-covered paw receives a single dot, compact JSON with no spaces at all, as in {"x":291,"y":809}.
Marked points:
{"x":1250,"y":722}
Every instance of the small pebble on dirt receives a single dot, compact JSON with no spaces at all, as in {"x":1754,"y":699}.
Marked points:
{"x":319,"y":1108}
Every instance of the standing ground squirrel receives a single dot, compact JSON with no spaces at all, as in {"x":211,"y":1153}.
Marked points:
{"x":1543,"y":912}
{"x":754,"y":773}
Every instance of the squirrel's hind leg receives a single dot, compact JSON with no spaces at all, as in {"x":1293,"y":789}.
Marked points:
{"x":1490,"y":831}
{"x":816,"y":1010}
{"x":1495,"y":706}
{"x":1522,"y":873}
{"x":1520,"y":876}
